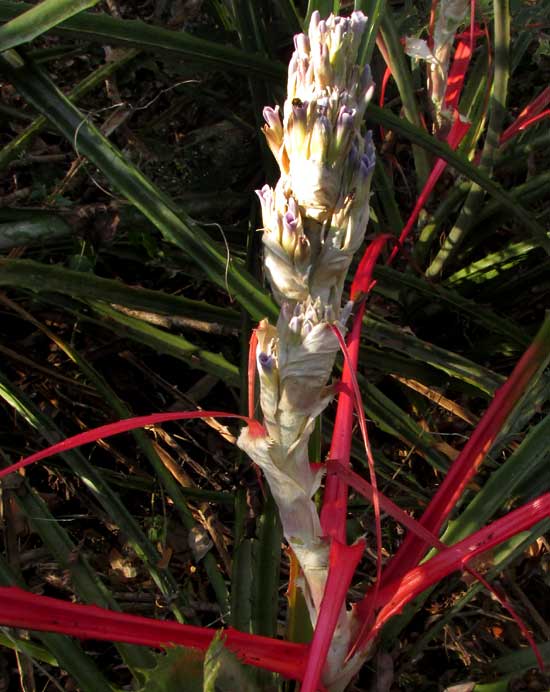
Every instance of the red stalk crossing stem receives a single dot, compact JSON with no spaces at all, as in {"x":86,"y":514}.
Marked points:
{"x":456,"y":135}
{"x":334,"y":510}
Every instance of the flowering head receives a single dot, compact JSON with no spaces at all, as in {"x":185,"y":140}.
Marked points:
{"x":326,"y":100}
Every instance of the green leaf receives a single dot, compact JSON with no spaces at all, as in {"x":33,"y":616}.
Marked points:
{"x":32,"y":231}
{"x":403,"y":78}
{"x":176,"y":228}
{"x":389,"y":278}
{"x":40,"y":18}
{"x":374,"y":10}
{"x":324,"y":7}
{"x":266,"y":555}
{"x":387,"y":335}
{"x":418,"y":136}
{"x":180,"y":668}
{"x":16,"y":146}
{"x":164,"y":342}
{"x":491,"y":266}
{"x":528,"y":462}
{"x":523,"y":659}
{"x":42,"y":278}
{"x":223,"y":671}
{"x":132,"y":33}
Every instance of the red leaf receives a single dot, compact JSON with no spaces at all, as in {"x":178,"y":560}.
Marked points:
{"x":393,"y":596}
{"x":20,"y":608}
{"x":333,"y":513}
{"x":531,"y":114}
{"x":252,"y":372}
{"x":370,"y":460}
{"x":121,"y":426}
{"x":364,"y":608}
{"x":383,"y":87}
{"x":457,"y":74}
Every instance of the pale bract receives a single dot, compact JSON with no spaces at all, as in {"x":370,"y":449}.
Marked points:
{"x":314,"y":221}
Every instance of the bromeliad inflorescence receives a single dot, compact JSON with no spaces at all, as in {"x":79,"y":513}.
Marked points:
{"x":314,"y":221}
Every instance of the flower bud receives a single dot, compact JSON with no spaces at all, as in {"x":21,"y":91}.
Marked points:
{"x":320,"y":139}
{"x":296,"y":128}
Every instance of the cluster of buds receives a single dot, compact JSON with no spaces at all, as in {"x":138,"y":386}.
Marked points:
{"x":314,"y":220}
{"x":451,"y":15}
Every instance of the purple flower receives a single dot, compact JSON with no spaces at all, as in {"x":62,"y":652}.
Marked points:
{"x":368,"y":159}
{"x":290,"y":222}
{"x":344,"y":125}
{"x":266,"y":362}
{"x":358,"y":22}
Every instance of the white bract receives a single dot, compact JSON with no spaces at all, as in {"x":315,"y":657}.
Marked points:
{"x":314,"y":220}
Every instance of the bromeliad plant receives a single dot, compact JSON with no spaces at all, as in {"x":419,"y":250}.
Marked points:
{"x":314,"y":221}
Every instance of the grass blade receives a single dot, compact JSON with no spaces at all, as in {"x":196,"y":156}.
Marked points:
{"x":501,"y":558}
{"x":374,"y":10}
{"x":171,"y":344}
{"x":176,"y":228}
{"x":525,"y":464}
{"x":97,"y":486}
{"x":418,"y":136}
{"x":388,"y":278}
{"x":16,"y":146}
{"x":43,"y":278}
{"x":39,"y":19}
{"x":132,"y":33}
{"x":389,"y":336}
{"x":87,"y":584}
